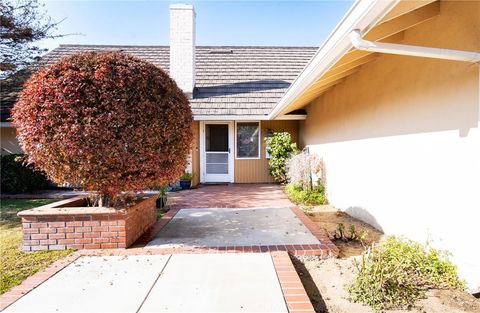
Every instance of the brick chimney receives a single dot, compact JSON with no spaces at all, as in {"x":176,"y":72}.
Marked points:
{"x":182,"y":46}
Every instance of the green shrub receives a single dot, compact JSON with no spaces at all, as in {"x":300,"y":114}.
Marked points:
{"x":280,"y":148}
{"x":18,"y":177}
{"x":397,"y":272}
{"x":187,"y":176}
{"x":304,"y":196}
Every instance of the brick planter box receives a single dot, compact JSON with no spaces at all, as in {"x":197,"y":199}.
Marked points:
{"x":69,"y":224}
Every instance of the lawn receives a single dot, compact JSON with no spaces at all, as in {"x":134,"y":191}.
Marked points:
{"x":15,"y":265}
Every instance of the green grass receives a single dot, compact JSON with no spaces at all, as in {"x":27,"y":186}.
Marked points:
{"x":10,"y":208}
{"x":15,"y":265}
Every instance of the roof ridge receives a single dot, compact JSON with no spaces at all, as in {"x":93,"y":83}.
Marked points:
{"x":198,"y":46}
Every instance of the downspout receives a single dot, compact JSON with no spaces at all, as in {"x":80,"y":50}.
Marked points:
{"x":417,"y":51}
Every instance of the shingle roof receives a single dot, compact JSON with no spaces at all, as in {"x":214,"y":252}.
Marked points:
{"x":230,"y":80}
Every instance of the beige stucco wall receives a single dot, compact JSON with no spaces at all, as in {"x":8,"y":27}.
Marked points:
{"x":9,"y":141}
{"x":401,"y":141}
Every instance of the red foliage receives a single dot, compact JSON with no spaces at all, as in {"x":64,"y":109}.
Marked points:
{"x":107,"y":121}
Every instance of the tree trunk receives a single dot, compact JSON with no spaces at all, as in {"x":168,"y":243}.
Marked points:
{"x":103,"y":200}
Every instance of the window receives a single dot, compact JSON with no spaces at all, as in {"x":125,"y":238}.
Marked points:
{"x":248,"y":140}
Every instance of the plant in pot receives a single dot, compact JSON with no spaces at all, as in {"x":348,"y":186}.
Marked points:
{"x":162,"y":197}
{"x":186,"y":180}
{"x":106,"y":121}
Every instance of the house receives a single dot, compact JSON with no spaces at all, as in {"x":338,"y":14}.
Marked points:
{"x":231,"y":89}
{"x":395,"y":118}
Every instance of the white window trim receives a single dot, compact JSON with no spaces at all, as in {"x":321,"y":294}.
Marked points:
{"x":259,"y":140}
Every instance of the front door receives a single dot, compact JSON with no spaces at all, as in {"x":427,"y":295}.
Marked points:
{"x":216,"y":152}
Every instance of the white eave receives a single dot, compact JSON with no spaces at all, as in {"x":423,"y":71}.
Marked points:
{"x":247,"y":117}
{"x":229,"y":117}
{"x":363,"y":15}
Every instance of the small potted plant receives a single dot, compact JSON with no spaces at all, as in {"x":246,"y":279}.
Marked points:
{"x":186,"y":180}
{"x":162,"y":197}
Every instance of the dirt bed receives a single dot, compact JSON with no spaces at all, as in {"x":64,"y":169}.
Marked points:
{"x":328,"y":219}
{"x":325,"y":280}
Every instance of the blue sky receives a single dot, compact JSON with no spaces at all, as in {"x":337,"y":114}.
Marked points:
{"x":279,"y":23}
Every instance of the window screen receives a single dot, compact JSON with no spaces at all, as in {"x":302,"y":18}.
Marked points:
{"x":216,"y":137}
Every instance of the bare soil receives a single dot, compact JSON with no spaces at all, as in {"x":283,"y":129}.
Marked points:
{"x":325,"y":280}
{"x":328,"y":219}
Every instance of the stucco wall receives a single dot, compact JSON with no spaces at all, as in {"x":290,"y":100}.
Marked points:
{"x":9,"y":141}
{"x":401,"y":141}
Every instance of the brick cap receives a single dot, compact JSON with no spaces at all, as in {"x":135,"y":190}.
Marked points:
{"x":68,"y":207}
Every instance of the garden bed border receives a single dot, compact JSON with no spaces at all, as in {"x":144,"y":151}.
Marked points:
{"x":64,"y":225}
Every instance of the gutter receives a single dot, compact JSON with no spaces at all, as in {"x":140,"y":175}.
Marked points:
{"x":416,"y":51}
{"x":364,"y":15}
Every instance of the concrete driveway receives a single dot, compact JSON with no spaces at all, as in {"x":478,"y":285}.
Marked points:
{"x":244,"y":282}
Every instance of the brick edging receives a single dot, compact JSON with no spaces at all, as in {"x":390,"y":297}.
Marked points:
{"x":321,"y":235}
{"x":35,"y":280}
{"x":294,"y":293}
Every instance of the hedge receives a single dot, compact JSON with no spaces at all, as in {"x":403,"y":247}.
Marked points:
{"x":18,"y":177}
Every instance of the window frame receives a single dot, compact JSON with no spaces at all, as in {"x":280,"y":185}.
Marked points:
{"x":259,"y":141}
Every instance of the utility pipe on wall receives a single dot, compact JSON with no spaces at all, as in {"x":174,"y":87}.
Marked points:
{"x":418,"y":51}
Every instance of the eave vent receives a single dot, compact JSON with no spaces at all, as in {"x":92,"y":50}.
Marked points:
{"x":221,"y":51}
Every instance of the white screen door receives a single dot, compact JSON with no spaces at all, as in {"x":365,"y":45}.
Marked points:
{"x":217,"y":159}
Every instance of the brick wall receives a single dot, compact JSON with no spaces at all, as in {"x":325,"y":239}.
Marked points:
{"x":62,"y":225}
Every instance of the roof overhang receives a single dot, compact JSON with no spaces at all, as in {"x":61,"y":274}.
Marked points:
{"x":229,"y":117}
{"x":247,"y":117}
{"x":336,"y":59}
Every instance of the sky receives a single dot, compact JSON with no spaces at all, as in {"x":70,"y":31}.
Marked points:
{"x":268,"y":23}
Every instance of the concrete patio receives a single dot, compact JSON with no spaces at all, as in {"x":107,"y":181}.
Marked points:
{"x":238,"y":217}
{"x":234,"y":226}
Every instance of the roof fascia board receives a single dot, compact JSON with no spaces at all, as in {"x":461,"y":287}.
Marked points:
{"x":292,"y":117}
{"x":363,"y":15}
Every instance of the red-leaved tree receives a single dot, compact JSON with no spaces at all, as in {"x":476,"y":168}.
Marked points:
{"x":107,"y":121}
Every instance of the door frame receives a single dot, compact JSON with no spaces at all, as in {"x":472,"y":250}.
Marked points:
{"x":231,"y":147}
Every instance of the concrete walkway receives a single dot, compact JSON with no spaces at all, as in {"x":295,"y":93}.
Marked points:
{"x":220,"y":226}
{"x":244,"y":282}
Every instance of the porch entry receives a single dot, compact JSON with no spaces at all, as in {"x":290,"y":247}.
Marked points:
{"x":216,"y":152}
